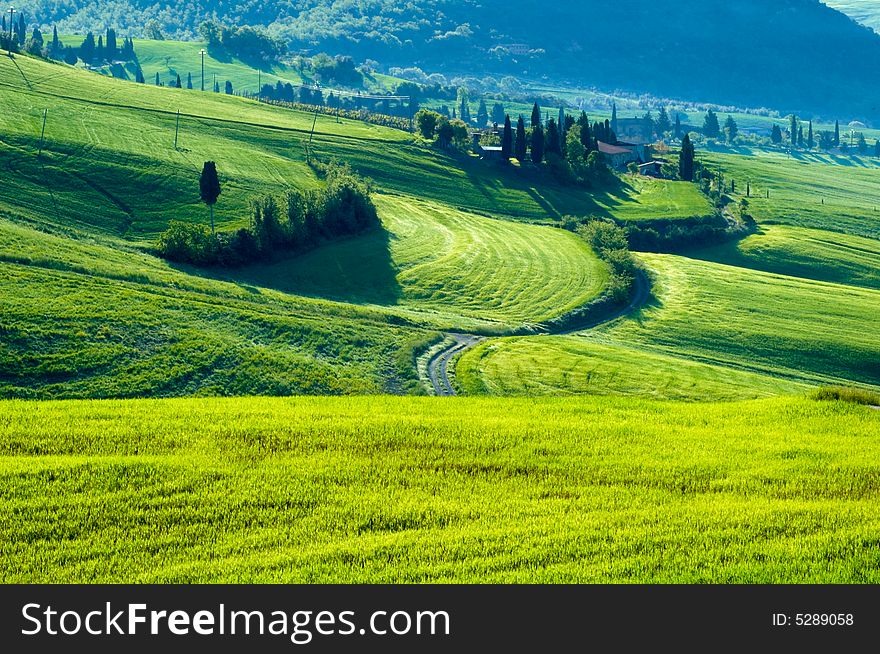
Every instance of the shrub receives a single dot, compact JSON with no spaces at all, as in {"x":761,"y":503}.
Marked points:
{"x":187,"y":243}
{"x":846,"y":394}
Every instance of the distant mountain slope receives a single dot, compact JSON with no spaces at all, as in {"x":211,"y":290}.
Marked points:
{"x":866,"y":12}
{"x":785,"y":54}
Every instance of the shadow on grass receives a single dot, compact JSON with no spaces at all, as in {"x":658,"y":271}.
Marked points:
{"x":357,"y":270}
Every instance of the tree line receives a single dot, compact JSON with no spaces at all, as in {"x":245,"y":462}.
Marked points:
{"x":297,"y":222}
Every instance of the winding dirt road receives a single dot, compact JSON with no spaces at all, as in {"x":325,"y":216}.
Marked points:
{"x":438,"y":366}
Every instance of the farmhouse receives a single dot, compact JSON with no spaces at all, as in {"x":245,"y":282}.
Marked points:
{"x":622,"y":154}
{"x":491,"y":152}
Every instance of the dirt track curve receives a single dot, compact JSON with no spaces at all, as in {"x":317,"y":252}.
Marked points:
{"x":438,"y":366}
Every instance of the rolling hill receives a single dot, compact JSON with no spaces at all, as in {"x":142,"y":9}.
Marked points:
{"x":866,"y":12}
{"x":797,"y":49}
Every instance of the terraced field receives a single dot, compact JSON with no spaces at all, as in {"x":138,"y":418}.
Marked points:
{"x":433,"y":490}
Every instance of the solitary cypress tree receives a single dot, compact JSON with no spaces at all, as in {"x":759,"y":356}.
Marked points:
{"x":537,"y":144}
{"x":677,"y":133}
{"x":178,"y":84}
{"x":22,"y":30}
{"x":520,"y":147}
{"x":614,"y":117}
{"x":56,"y":42}
{"x":836,"y":134}
{"x":209,"y":187}
{"x":100,"y":52}
{"x":217,"y":90}
{"x":686,"y":159}
{"x":228,"y":87}
{"x":189,"y":81}
{"x":811,"y":143}
{"x":536,"y":116}
{"x":793,"y":129}
{"x":801,"y":136}
{"x":507,"y":140}
{"x":158,"y":83}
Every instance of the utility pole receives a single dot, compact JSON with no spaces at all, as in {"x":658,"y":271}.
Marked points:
{"x":311,"y":134}
{"x":42,"y":132}
{"x":11,"y":20}
{"x":203,"y":52}
{"x":176,"y":129}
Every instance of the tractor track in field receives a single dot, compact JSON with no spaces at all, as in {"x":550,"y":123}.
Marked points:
{"x":438,"y":366}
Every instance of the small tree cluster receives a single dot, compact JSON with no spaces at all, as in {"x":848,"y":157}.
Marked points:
{"x":303,"y":220}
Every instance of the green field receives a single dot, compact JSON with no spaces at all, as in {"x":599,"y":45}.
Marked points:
{"x":407,"y":490}
{"x":568,"y":365}
{"x":439,"y":260}
{"x":829,"y":192}
{"x":808,"y":253}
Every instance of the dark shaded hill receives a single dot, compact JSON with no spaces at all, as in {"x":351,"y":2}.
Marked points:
{"x":792,"y":55}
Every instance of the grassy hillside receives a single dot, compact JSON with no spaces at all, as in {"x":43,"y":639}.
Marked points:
{"x":109,"y":161}
{"x":808,"y":253}
{"x":437,"y":259}
{"x":403,"y":490}
{"x":840,"y":194}
{"x":568,"y":365}
{"x":81,"y":318}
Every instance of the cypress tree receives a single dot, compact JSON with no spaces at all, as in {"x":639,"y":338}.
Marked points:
{"x":110,"y":44}
{"x":537,"y":144}
{"x":22,"y":28}
{"x":609,"y":137}
{"x":87,"y":49}
{"x":793,"y":129}
{"x":56,"y":42}
{"x":552,"y":140}
{"x":614,"y":117}
{"x":663,"y":125}
{"x":519,"y":150}
{"x":507,"y":140}
{"x":482,"y":114}
{"x":228,"y":87}
{"x":139,"y":75}
{"x":158,"y":83}
{"x":776,"y":134}
{"x":811,"y":143}
{"x":731,"y":129}
{"x":100,"y":52}
{"x":584,"y":134}
{"x":801,"y":136}
{"x":217,"y":90}
{"x":836,"y":134}
{"x":536,"y":116}
{"x":189,"y":81}
{"x":498,"y":113}
{"x":686,"y":159}
{"x":177,"y":84}
{"x":677,"y":125}
{"x":711,"y":127}
{"x":209,"y":187}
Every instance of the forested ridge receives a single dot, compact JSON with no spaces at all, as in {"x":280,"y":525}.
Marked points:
{"x":790,"y":55}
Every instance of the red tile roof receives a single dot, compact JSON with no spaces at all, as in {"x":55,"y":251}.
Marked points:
{"x":605,"y":148}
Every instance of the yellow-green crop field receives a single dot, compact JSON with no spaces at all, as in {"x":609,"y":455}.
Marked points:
{"x":427,"y":490}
